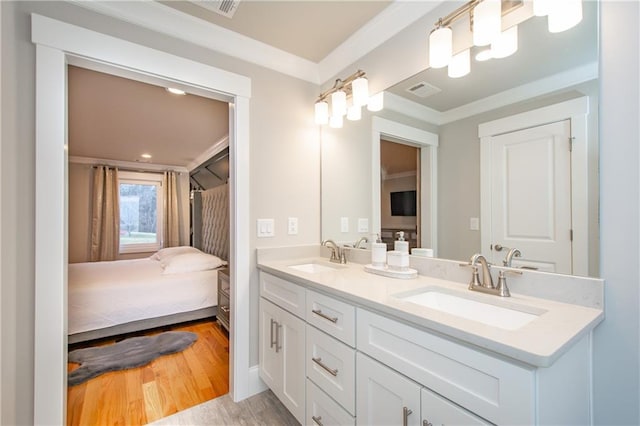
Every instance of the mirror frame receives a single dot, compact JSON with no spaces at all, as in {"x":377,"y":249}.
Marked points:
{"x":428,"y":144}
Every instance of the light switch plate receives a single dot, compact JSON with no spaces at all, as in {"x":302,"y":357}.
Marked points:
{"x":292,"y":226}
{"x":265,"y":228}
{"x":363,"y":224}
{"x":474,"y":224}
{"x":344,"y":224}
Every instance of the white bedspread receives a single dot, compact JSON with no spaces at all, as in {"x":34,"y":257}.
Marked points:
{"x":104,"y":294}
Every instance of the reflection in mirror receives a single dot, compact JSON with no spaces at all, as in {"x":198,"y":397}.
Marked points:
{"x":546,"y":71}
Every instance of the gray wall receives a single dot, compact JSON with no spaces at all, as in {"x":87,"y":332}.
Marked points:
{"x":284,"y":169}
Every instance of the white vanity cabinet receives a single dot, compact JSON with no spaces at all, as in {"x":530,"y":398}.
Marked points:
{"x":282,"y":352}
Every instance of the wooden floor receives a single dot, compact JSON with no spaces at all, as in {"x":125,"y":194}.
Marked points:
{"x":168,"y":384}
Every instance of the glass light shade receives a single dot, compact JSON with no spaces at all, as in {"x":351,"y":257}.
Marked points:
{"x":322,"y":112}
{"x":376,"y":102}
{"x":338,"y":103}
{"x":541,"y":7}
{"x":360,"y":91}
{"x":440,"y":47}
{"x":487,"y":22}
{"x":336,"y":121}
{"x":354,"y":113}
{"x":460,"y":64}
{"x":564,"y":14}
{"x":484,"y":55}
{"x":506,"y":44}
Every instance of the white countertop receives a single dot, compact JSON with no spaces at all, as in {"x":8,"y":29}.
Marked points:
{"x":539,"y":343}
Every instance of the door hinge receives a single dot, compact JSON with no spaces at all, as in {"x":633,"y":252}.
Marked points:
{"x":571,"y":140}
{"x":570,"y":234}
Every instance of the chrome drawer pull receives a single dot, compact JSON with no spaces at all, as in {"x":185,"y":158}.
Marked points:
{"x":225,"y":309}
{"x":426,"y":423}
{"x":333,"y":372}
{"x":317,"y":420}
{"x":405,"y":416}
{"x":278,"y":345}
{"x":325,"y":316}
{"x":273,"y":342}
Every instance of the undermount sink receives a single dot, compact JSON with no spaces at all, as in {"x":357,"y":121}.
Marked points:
{"x":315,"y":267}
{"x":506,"y":318}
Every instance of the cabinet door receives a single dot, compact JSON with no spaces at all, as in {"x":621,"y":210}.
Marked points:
{"x":290,"y":336}
{"x":384,"y":397}
{"x":438,"y":411}
{"x":270,"y":360}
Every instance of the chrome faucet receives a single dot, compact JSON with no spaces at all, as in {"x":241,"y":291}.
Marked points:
{"x":360,"y":240}
{"x":486,"y":285}
{"x":514,"y":252}
{"x":337,"y":253}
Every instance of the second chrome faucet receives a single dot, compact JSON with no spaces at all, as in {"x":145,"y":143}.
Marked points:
{"x":485,"y":285}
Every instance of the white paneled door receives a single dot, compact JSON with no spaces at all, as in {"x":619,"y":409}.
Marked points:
{"x":531,"y":196}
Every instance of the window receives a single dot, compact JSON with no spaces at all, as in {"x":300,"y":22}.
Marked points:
{"x":140,"y":212}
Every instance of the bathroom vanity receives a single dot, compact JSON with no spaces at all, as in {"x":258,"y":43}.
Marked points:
{"x":341,"y":346}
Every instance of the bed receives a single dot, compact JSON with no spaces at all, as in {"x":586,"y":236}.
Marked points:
{"x":176,"y":284}
{"x":111,"y":298}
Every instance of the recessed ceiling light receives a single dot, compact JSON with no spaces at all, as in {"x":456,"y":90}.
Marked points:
{"x":484,"y":55}
{"x":147,"y":156}
{"x":176,"y":91}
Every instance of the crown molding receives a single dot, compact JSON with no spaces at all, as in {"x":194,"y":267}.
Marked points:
{"x":129,"y":165}
{"x":521,"y":93}
{"x":164,"y":19}
{"x":393,"y":19}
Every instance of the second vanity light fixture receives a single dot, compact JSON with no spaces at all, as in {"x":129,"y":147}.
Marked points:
{"x":485,"y":18}
{"x":347,"y":97}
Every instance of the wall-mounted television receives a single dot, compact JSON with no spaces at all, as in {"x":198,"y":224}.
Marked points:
{"x":403,"y":203}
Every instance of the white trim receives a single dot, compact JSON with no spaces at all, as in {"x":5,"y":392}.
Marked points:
{"x":576,"y":110}
{"x":255,"y":382}
{"x":133,"y":165}
{"x":218,"y":146}
{"x":56,"y":43}
{"x":167,"y":20}
{"x":527,"y":91}
{"x":1,"y":286}
{"x":393,"y":19}
{"x":426,"y":140}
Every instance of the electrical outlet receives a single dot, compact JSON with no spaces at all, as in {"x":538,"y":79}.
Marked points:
{"x":344,"y":224}
{"x":363,"y":224}
{"x":474,"y":224}
{"x":266,"y":228}
{"x":292,"y":226}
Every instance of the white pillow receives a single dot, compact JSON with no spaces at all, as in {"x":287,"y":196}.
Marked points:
{"x":191,"y":262}
{"x":166,"y":253}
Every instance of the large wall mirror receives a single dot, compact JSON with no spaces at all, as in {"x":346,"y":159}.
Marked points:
{"x":551,"y":73}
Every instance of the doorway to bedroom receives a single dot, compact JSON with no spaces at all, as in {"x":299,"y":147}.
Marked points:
{"x":143,"y":134}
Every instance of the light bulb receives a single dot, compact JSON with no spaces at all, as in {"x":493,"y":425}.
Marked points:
{"x":360,"y":91}
{"x":541,"y":7}
{"x":460,"y":64}
{"x":506,"y":44}
{"x":440,"y":47}
{"x":487,"y":24}
{"x":338,"y":103}
{"x":322,"y":112}
{"x":564,"y":14}
{"x":484,"y":55}
{"x":354,"y":113}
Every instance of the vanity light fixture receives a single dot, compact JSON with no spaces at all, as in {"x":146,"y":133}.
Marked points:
{"x":485,"y":21}
{"x":347,"y":98}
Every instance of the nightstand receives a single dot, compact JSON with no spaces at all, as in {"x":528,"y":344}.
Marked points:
{"x":224,"y":297}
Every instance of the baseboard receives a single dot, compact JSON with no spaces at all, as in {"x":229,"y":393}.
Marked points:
{"x":256,"y":385}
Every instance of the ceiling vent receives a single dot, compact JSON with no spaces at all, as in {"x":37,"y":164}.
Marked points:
{"x":423,"y":89}
{"x":222,"y":7}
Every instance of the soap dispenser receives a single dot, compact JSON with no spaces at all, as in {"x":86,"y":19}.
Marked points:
{"x":378,"y":253}
{"x":400,"y":244}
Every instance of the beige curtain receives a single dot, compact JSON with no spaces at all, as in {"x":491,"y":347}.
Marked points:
{"x":171,"y":228}
{"x":105,"y":216}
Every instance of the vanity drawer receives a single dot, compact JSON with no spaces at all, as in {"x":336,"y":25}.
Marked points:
{"x":332,"y":366}
{"x":324,"y":411}
{"x":336,"y":318}
{"x":283,"y":293}
{"x":497,"y":390}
